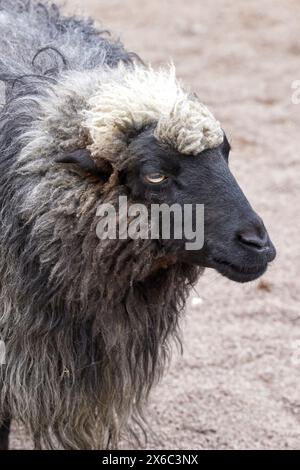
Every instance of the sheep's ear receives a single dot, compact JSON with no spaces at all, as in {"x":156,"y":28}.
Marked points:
{"x":82,"y":158}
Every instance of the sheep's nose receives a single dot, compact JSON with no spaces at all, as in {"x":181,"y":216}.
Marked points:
{"x":254,"y":237}
{"x":254,"y":240}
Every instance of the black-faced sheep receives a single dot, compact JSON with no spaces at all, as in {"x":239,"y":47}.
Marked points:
{"x":87,"y":322}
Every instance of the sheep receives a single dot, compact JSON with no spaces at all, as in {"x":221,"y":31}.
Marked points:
{"x":88,"y":323}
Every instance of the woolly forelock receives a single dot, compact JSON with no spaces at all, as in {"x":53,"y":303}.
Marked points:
{"x":139,"y":96}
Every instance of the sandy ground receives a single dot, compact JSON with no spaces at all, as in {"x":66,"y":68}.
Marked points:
{"x":238,"y":383}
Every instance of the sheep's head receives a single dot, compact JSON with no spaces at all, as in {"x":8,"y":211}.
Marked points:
{"x":169,"y":148}
{"x":162,"y":145}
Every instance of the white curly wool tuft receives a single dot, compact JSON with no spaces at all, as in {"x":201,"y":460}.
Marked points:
{"x":132,"y":98}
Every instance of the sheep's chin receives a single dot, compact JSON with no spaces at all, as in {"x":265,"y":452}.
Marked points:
{"x":239,"y":273}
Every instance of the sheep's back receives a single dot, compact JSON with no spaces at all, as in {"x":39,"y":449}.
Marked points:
{"x":37,"y":39}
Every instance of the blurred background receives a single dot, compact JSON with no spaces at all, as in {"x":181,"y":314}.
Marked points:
{"x":237,"y":385}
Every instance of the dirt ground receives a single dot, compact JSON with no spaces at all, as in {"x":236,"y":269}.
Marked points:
{"x":237,"y":385}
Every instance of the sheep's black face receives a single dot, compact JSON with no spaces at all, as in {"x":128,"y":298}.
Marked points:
{"x":236,"y":242}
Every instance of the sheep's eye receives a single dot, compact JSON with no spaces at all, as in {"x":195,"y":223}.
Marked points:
{"x":155,"y":178}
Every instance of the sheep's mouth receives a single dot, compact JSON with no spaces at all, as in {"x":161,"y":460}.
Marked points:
{"x":242,"y":273}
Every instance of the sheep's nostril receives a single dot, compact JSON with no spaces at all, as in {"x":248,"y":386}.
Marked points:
{"x":254,"y":239}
